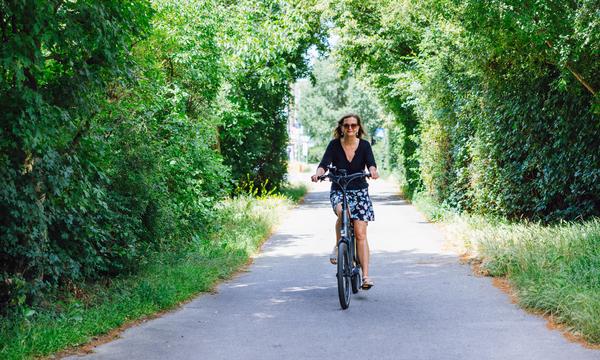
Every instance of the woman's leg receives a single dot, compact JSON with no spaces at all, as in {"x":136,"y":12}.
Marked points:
{"x":338,"y":225}
{"x":362,"y":245}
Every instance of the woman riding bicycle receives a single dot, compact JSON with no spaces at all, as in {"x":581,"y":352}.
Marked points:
{"x":348,"y":151}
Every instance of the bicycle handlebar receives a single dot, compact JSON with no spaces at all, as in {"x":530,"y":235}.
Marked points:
{"x":345,"y":178}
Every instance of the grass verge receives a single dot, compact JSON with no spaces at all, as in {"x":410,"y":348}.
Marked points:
{"x":553,"y":269}
{"x":163,"y":282}
{"x":294,"y":192}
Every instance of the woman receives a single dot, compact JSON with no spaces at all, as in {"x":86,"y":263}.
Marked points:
{"x":348,"y":151}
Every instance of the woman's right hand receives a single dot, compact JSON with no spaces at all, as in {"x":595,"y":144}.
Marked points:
{"x":315,"y":177}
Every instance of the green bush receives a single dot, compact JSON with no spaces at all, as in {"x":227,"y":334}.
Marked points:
{"x":315,"y":153}
{"x":267,"y":45}
{"x":124,"y":123}
{"x":59,"y":219}
{"x":164,"y":280}
{"x":496,"y":105}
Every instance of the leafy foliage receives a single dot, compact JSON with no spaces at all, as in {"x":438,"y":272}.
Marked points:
{"x":57,"y":214}
{"x":267,"y":42}
{"x":496,"y":102}
{"x":164,"y":281}
{"x":125,"y":122}
{"x":332,"y":95}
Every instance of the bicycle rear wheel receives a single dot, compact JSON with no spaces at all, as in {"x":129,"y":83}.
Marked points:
{"x":355,"y":280}
{"x":344,"y":272}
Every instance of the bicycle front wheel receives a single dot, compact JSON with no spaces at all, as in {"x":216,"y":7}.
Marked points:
{"x":344,"y":272}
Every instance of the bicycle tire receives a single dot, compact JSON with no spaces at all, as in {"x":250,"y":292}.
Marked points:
{"x":344,"y":272}
{"x":356,"y":278}
{"x":355,"y":282}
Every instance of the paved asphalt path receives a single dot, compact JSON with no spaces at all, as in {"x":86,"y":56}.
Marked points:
{"x":424,"y":304}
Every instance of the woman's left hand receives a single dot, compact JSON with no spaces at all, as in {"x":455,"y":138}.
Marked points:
{"x":374,"y":173}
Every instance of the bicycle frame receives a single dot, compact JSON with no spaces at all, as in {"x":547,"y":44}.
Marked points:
{"x":346,"y":233}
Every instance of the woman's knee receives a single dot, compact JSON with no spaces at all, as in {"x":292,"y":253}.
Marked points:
{"x":360,"y":232}
{"x":361,"y":237}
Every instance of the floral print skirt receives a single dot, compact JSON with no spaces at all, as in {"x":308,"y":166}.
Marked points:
{"x":361,"y":207}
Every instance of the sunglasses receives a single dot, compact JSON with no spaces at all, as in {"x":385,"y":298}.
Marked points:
{"x":348,"y":126}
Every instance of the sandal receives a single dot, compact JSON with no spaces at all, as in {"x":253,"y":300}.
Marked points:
{"x":333,"y":256}
{"x":367,"y":283}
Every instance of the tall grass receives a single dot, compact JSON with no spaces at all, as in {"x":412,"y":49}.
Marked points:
{"x":554,"y":269}
{"x":166,"y":280}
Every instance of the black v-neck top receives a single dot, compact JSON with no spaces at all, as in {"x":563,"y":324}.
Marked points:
{"x":363,"y":157}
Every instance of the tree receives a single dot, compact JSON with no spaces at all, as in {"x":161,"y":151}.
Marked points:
{"x":266,"y":42}
{"x":331,"y":96}
{"x":496,"y":103}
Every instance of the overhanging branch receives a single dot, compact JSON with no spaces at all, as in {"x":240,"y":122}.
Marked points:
{"x":577,"y":75}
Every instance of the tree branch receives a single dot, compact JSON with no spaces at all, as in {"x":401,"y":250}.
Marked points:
{"x":580,"y":78}
{"x":577,"y":75}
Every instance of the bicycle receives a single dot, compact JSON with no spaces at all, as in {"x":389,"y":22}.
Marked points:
{"x":348,"y":272}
